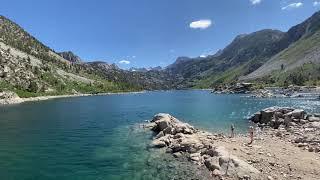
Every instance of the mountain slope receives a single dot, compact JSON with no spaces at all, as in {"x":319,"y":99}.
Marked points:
{"x":252,"y":56}
{"x":52,"y":73}
{"x":306,"y":49}
{"x":32,"y":69}
{"x":303,"y":51}
{"x":245,"y":54}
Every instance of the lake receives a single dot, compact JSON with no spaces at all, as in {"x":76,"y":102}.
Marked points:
{"x":99,"y":137}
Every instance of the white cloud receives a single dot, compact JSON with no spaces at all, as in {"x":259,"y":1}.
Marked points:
{"x":254,"y":2}
{"x":316,"y":3}
{"x":201,"y":24}
{"x":203,"y":56}
{"x":124,"y":62}
{"x":292,"y":6}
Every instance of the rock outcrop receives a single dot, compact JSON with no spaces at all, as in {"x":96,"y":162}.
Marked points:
{"x":182,"y":140}
{"x":294,"y":125}
{"x":239,"y":88}
{"x":8,"y":97}
{"x":276,"y":116}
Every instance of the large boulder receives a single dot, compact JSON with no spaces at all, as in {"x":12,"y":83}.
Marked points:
{"x":170,"y":125}
{"x":256,"y":117}
{"x":162,"y":124}
{"x":266,"y":115}
{"x":287,"y":120}
{"x":297,"y":113}
{"x":161,"y":116}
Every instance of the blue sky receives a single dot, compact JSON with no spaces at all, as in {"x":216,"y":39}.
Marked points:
{"x":143,"y":33}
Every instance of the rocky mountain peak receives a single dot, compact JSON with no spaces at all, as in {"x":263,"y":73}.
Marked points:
{"x":104,"y":65}
{"x":70,"y":56}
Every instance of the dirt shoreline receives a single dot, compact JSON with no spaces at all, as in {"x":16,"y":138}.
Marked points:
{"x":275,"y":157}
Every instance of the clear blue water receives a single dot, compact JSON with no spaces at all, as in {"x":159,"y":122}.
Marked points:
{"x":99,"y":138}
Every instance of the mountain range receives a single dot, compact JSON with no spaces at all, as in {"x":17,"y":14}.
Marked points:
{"x":267,"y":57}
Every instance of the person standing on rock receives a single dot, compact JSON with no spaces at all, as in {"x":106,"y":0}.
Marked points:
{"x":251,"y":134}
{"x":232,"y":131}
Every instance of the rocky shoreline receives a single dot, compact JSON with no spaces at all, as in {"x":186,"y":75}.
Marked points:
{"x":269,"y":92}
{"x":294,"y":125}
{"x":280,"y":153}
{"x":182,"y":140}
{"x":9,"y":98}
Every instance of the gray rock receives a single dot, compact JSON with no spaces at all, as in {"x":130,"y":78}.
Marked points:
{"x":270,"y":178}
{"x":168,"y":130}
{"x":297,"y":113}
{"x":195,"y":157}
{"x":162,"y":125}
{"x":266,"y":115}
{"x":149,"y":125}
{"x":314,"y":119}
{"x":302,"y":121}
{"x":176,"y":148}
{"x":291,"y":124}
{"x":275,"y":123}
{"x":216,"y":173}
{"x":256,"y":117}
{"x":211,"y":152}
{"x":279,"y":114}
{"x":162,"y":116}
{"x":310,"y":149}
{"x":212,"y":164}
{"x":177,"y":154}
{"x":169,"y":150}
{"x":159,"y":135}
{"x":158,"y":143}
{"x":287,"y":120}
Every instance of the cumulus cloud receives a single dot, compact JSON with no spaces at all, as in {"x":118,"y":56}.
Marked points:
{"x":316,"y":3}
{"x":292,"y":6}
{"x":254,"y":2}
{"x":124,"y":62}
{"x":201,"y":24}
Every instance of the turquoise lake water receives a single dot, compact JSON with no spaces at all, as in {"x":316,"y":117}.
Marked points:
{"x":99,"y":137}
